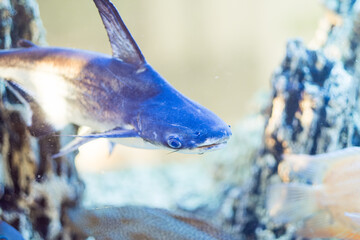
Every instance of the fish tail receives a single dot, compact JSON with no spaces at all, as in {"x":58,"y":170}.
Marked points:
{"x":291,"y":202}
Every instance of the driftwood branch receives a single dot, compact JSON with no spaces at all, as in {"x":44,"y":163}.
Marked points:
{"x":20,"y":19}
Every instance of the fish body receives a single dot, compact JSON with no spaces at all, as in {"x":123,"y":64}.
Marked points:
{"x":118,"y":97}
{"x":355,"y":217}
{"x":7,"y":232}
{"x":327,"y":190}
{"x":136,"y":222}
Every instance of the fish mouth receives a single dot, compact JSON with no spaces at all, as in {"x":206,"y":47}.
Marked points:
{"x":207,"y":146}
{"x":211,"y":145}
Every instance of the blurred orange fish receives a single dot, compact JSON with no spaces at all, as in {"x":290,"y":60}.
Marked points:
{"x":326,"y":196}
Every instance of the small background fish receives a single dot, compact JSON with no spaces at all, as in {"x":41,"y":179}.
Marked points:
{"x":140,"y":223}
{"x":328,"y":188}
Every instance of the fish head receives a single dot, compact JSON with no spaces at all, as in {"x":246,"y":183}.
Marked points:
{"x":172,"y":121}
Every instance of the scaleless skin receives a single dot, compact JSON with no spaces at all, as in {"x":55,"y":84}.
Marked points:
{"x":120,"y":97}
{"x":7,"y":232}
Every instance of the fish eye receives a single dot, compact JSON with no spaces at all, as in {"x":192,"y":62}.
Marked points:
{"x":174,"y":142}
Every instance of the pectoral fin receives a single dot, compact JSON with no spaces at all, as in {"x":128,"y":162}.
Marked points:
{"x":284,"y":201}
{"x":113,"y":133}
{"x":111,"y":146}
{"x":71,"y":146}
{"x":122,"y":43}
{"x":82,"y":139}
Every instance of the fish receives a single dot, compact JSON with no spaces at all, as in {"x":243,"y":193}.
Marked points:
{"x":7,"y":232}
{"x":321,"y":192}
{"x":355,"y":217}
{"x":138,"y":223}
{"x":120,"y":97}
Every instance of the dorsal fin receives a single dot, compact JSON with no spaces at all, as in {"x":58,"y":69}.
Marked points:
{"x":122,"y":43}
{"x":23,"y":43}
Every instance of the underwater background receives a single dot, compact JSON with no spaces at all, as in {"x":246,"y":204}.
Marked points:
{"x":282,"y":73}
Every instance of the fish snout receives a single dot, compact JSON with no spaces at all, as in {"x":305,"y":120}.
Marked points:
{"x":223,"y":132}
{"x":216,"y":139}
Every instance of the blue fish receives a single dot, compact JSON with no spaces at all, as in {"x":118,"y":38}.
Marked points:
{"x":7,"y":232}
{"x":120,"y":97}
